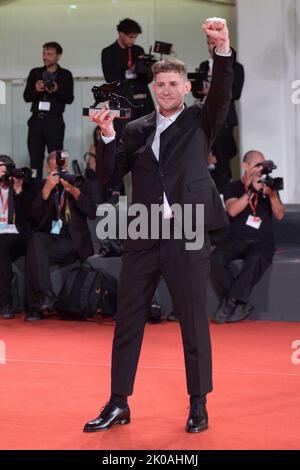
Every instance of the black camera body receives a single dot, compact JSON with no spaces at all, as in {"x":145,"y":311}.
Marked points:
{"x":74,"y":180}
{"x":198,"y":81}
{"x":18,"y":173}
{"x":275,"y":184}
{"x":48,"y":79}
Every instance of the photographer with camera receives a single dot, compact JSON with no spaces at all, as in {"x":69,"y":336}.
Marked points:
{"x":251,"y":203}
{"x":224,"y":148}
{"x":16,"y":195}
{"x":119,"y":63}
{"x":49,"y":89}
{"x":60,"y":210}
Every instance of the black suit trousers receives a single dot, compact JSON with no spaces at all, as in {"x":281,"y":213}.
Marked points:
{"x":44,"y":131}
{"x":257,"y":256}
{"x":12,"y":246}
{"x":186,"y":274}
{"x":43,"y":251}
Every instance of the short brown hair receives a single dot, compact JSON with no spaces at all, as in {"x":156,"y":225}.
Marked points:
{"x":170,"y":65}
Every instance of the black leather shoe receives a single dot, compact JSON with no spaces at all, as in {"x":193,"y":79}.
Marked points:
{"x":46,"y":301}
{"x":241,"y":312}
{"x":225,"y":311}
{"x":34,"y":316}
{"x":109,"y":416}
{"x":7,"y":312}
{"x":198,"y":418}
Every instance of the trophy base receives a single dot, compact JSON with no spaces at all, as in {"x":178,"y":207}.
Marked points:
{"x":122,"y":113}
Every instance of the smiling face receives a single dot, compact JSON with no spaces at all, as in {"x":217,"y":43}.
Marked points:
{"x":170,"y":89}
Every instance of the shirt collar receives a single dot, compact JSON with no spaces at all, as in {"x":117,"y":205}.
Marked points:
{"x":160,"y":118}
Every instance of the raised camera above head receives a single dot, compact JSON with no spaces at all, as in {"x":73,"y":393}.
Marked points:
{"x":117,"y":104}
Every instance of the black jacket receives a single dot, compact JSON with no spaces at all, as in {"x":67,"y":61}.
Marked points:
{"x":45,"y":211}
{"x":64,"y":94}
{"x":19,"y":207}
{"x":237,"y":87}
{"x":184,"y":146}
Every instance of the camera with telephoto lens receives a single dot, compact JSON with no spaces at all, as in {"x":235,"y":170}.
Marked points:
{"x":61,"y":159}
{"x":275,"y":184}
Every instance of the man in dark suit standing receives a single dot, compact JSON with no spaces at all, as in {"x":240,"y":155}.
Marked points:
{"x":49,"y":89}
{"x":224,"y":148}
{"x":167,"y":153}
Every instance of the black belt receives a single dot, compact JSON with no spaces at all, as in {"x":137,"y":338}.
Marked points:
{"x":42,"y":114}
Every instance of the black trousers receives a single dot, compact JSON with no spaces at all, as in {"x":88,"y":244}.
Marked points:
{"x":257,"y":256}
{"x":43,"y":251}
{"x":12,"y":246}
{"x":186,"y":274}
{"x":44,"y":131}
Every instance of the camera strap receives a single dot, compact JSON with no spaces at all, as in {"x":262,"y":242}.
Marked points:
{"x":253,"y":202}
{"x":129,"y":60}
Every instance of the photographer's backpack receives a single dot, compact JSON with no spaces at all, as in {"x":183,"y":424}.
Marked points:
{"x":87,"y":292}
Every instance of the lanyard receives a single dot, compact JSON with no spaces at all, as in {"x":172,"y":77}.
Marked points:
{"x":129,"y":62}
{"x":4,"y":209}
{"x":253,"y":201}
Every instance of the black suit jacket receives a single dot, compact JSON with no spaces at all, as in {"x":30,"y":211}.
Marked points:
{"x":184,"y":146}
{"x":44,"y":212}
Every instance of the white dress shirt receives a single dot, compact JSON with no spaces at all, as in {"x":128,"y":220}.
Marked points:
{"x":163,"y":123}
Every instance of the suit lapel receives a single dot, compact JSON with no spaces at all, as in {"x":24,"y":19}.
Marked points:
{"x":149,"y":129}
{"x":169,"y":138}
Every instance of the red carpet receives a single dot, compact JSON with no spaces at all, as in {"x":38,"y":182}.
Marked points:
{"x":57,"y":377}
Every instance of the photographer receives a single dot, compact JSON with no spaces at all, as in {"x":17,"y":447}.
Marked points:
{"x":60,"y":209}
{"x":16,"y":196}
{"x":224,"y":148}
{"x":119,"y":63}
{"x":251,"y":204}
{"x":49,"y":89}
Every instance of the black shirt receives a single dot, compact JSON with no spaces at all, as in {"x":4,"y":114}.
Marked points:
{"x":238,"y":227}
{"x":64,"y":94}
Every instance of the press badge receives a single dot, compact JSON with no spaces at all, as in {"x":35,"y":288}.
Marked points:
{"x":130,"y":74}
{"x":44,"y":105}
{"x":56,"y":227}
{"x":254,"y":222}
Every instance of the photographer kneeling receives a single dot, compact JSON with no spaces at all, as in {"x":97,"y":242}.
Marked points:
{"x":60,"y":210}
{"x":251,"y":204}
{"x":16,"y":195}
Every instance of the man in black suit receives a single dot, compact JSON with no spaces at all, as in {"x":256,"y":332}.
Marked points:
{"x":167,"y":152}
{"x":49,"y":89}
{"x":224,"y":148}
{"x":60,"y":211}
